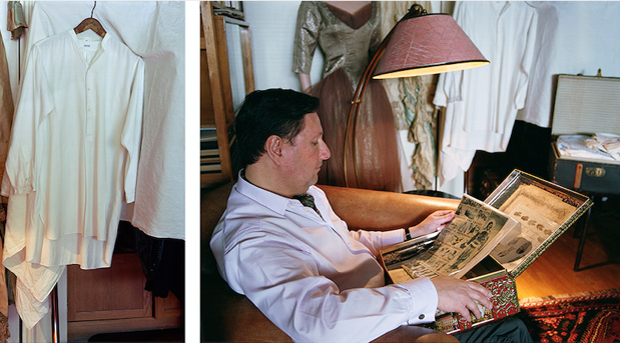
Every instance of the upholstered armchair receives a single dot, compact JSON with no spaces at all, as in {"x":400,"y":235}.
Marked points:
{"x":229,"y":317}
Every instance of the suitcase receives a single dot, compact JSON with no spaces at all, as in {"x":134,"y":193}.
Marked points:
{"x":585,"y":105}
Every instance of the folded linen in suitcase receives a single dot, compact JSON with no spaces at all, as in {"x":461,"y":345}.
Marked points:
{"x":598,"y":146}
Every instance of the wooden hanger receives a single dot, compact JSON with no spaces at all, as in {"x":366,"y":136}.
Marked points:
{"x":92,"y":24}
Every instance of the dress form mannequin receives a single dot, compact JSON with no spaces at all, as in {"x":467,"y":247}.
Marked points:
{"x":348,"y":34}
{"x":350,"y":7}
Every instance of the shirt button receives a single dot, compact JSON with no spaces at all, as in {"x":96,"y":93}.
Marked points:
{"x":421,"y":317}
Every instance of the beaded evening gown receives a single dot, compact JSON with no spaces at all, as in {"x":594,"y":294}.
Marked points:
{"x":348,"y":42}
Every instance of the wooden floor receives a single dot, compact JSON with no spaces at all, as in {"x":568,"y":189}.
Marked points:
{"x":552,"y":273}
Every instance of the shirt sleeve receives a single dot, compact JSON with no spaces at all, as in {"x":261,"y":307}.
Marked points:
{"x":35,"y":103}
{"x":284,"y":283}
{"x":449,"y":84}
{"x":132,"y":131}
{"x":527,"y":61}
{"x":375,"y":241}
{"x":306,"y":37}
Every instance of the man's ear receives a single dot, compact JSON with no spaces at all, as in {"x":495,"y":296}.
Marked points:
{"x":273,"y":148}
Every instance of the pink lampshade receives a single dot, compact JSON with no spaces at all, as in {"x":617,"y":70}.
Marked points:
{"x":427,"y":44}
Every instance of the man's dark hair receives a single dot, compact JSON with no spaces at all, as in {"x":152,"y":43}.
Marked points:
{"x":265,"y":113}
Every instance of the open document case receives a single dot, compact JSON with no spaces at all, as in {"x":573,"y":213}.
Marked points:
{"x":585,"y":147}
{"x":490,"y":242}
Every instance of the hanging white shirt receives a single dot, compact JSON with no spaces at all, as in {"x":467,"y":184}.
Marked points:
{"x":159,"y":207}
{"x":313,"y":278}
{"x":482,"y":103}
{"x":74,"y":151}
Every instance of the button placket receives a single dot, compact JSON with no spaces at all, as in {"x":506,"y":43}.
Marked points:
{"x":89,"y":107}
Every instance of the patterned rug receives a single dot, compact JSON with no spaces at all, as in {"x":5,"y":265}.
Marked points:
{"x":588,"y":318}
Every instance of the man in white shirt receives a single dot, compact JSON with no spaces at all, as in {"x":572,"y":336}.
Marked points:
{"x":300,"y":265}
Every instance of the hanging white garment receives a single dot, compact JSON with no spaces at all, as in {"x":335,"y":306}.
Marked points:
{"x":482,"y":103}
{"x":74,"y":152}
{"x":34,"y":282}
{"x":154,"y":30}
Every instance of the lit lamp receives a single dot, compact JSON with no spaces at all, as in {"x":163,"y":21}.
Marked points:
{"x":419,"y":44}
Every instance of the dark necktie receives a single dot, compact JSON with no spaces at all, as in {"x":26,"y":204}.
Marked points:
{"x":308,"y":201}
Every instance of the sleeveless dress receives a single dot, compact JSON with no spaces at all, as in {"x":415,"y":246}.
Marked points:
{"x":348,"y":42}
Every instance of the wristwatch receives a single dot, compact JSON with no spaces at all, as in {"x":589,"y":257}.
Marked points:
{"x":407,"y":233}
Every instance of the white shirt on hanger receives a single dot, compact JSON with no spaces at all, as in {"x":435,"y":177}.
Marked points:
{"x":159,"y":207}
{"x":74,"y":150}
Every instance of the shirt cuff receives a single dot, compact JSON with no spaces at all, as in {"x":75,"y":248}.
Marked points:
{"x":389,"y":238}
{"x":424,"y":297}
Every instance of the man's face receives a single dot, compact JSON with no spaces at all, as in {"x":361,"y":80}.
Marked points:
{"x":305,"y":155}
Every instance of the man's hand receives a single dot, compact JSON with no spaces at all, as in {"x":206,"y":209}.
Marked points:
{"x":456,"y":295}
{"x":435,"y":221}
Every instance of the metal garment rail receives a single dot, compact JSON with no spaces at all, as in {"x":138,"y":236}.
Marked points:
{"x":54,"y":308}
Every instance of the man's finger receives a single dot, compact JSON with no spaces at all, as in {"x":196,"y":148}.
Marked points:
{"x":464,"y":312}
{"x":480,"y":292}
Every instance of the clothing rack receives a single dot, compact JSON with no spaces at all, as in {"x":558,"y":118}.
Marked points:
{"x":54,"y":308}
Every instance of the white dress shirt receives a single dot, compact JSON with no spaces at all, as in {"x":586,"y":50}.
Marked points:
{"x":74,"y":152}
{"x":314,"y":279}
{"x":157,"y":35}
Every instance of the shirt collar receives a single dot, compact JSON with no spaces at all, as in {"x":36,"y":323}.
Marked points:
{"x":104,"y":40}
{"x":263,"y":197}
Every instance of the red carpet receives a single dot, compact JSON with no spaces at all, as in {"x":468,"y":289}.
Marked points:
{"x":591,"y":318}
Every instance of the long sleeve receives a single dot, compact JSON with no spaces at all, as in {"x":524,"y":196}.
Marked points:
{"x":527,"y":62}
{"x":132,"y":131}
{"x":449,"y":84}
{"x":376,"y":241}
{"x":285,"y":284}
{"x":306,"y":37}
{"x":35,"y":102}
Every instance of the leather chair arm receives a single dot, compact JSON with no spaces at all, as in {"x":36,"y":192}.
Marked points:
{"x":382,"y":211}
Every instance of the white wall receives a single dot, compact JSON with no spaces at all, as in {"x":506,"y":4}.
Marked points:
{"x":272,"y":31}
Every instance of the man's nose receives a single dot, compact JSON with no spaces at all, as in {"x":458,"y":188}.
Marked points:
{"x":325,"y":153}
